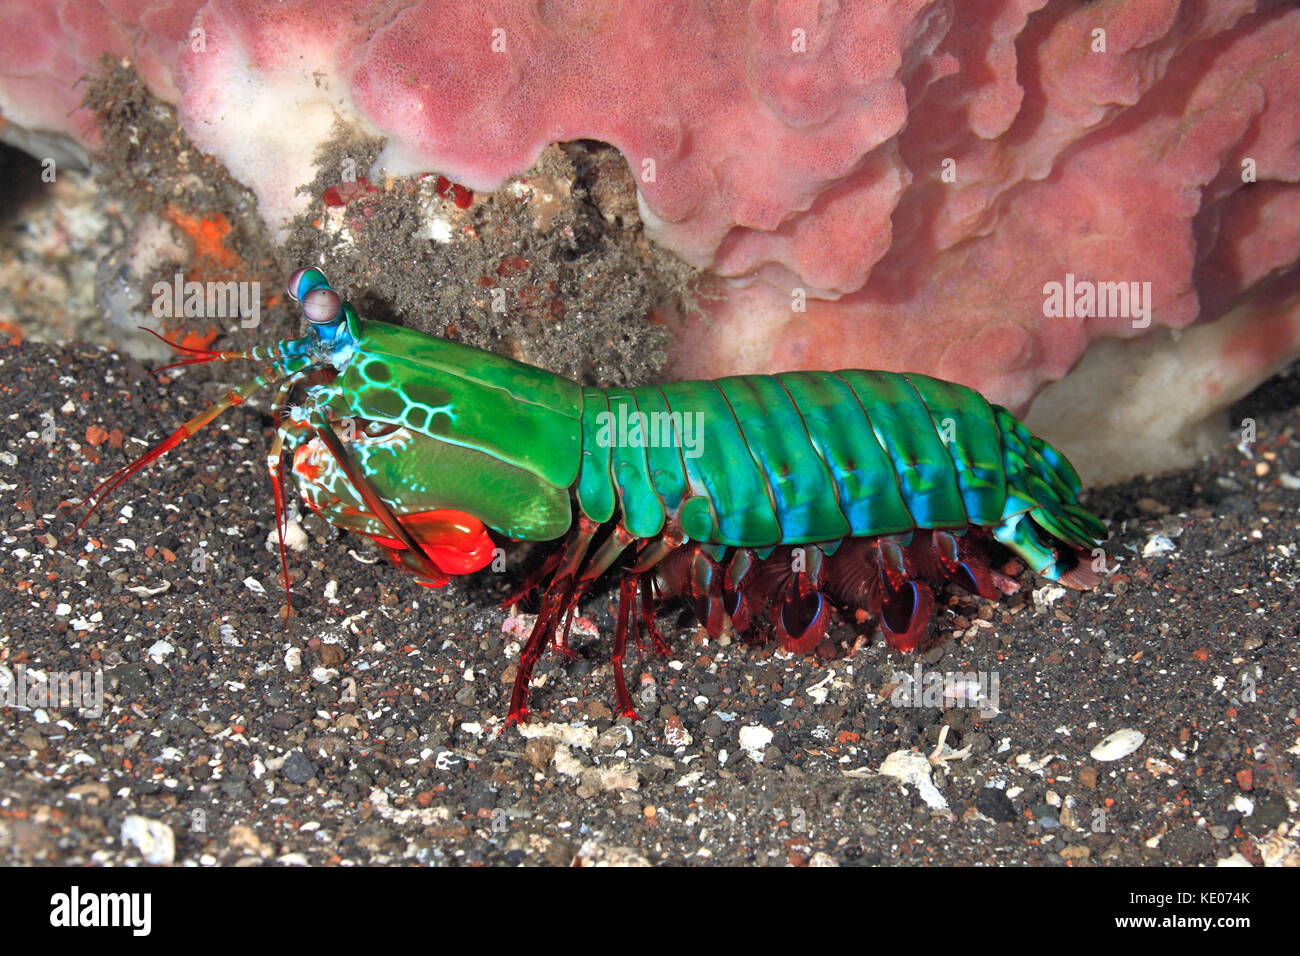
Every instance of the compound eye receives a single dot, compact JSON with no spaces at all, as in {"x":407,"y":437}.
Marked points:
{"x":293,"y":283}
{"x":304,"y":280}
{"x":322,"y":306}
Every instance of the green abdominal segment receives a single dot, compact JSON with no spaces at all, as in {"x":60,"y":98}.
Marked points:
{"x":801,"y":457}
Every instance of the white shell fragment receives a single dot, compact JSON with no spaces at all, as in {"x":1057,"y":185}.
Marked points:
{"x":159,"y":651}
{"x":1157,"y":544}
{"x":912,"y":767}
{"x":153,"y":837}
{"x":1046,"y":596}
{"x":754,"y":740}
{"x":1119,"y":744}
{"x":295,"y":538}
{"x":146,"y":591}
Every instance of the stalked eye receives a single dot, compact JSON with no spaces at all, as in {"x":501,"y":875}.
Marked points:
{"x":322,"y":306}
{"x":304,"y":280}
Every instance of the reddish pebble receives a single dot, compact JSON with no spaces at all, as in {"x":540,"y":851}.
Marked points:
{"x":345,"y":193}
{"x":512,"y":266}
{"x":675,"y":734}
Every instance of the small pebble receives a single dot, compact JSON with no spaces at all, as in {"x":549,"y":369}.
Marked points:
{"x":675,"y":734}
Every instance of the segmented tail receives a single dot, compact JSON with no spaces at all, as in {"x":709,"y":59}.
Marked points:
{"x":1043,"y":485}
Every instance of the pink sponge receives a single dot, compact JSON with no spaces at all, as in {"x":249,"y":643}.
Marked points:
{"x":1156,"y":194}
{"x":48,"y":46}
{"x":750,"y":127}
